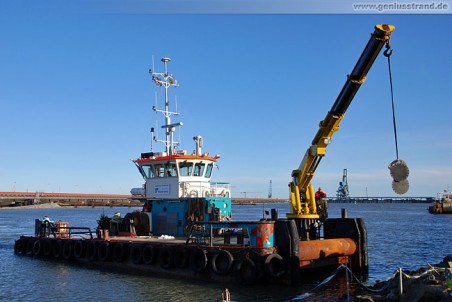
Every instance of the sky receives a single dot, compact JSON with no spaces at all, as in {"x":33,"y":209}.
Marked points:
{"x":76,"y":97}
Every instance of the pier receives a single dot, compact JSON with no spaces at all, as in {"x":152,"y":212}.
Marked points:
{"x":16,"y":199}
{"x":381,"y":200}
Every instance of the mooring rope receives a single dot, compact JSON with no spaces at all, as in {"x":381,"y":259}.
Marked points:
{"x":364,"y":286}
{"x":320,"y":285}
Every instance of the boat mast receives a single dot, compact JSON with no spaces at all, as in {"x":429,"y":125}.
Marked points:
{"x":166,"y":80}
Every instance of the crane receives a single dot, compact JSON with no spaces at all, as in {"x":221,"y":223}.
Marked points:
{"x":342,"y":191}
{"x":302,"y":197}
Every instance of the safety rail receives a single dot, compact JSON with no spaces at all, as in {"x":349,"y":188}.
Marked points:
{"x":60,"y":230}
{"x":208,"y":232}
{"x":258,"y":234}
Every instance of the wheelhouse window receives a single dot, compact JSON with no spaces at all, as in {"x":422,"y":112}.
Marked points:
{"x":148,"y":171}
{"x":185,"y":168}
{"x":171,"y":170}
{"x":209,"y":170}
{"x":159,"y":170}
{"x":199,"y":169}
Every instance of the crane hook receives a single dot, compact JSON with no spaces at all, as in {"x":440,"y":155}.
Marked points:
{"x":388,"y":52}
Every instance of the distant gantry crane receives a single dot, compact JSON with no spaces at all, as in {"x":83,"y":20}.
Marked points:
{"x":342,"y":191}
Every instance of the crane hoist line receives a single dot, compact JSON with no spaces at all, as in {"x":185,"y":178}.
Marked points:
{"x":302,"y":196}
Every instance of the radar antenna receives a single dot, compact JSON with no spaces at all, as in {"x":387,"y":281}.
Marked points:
{"x":166,"y":80}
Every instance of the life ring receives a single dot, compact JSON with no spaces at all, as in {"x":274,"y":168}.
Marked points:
{"x":136,"y":252}
{"x":206,"y":194}
{"x":198,"y":260}
{"x":150,"y":254}
{"x":181,"y":256}
{"x":221,"y":262}
{"x":47,"y":247}
{"x":227,"y":218}
{"x":120,"y":252}
{"x":37,"y":248}
{"x":166,"y":257}
{"x":79,"y":249}
{"x":246,"y":272}
{"x":91,"y":251}
{"x":57,"y":250}
{"x":68,"y":250}
{"x":103,"y":251}
{"x":18,"y":246}
{"x":274,"y":266}
{"x":30,"y":244}
{"x":193,"y":193}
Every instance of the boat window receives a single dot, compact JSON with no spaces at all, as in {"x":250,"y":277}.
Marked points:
{"x":209,"y":170}
{"x":148,"y":171}
{"x":185,"y":168}
{"x":171,"y":170}
{"x":159,"y":170}
{"x":199,"y":169}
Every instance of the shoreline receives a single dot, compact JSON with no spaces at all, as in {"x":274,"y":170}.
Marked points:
{"x":54,"y":205}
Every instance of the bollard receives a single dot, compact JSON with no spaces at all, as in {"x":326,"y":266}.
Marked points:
{"x":344,"y":213}
{"x":274,"y":214}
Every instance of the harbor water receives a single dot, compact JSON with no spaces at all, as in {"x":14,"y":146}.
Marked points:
{"x":399,"y":235}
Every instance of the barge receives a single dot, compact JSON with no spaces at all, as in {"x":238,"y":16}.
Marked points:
{"x":186,"y":227}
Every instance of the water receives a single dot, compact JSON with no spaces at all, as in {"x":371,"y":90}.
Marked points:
{"x":400,"y":235}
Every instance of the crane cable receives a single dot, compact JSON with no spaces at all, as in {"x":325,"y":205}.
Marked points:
{"x":387,"y":53}
{"x":398,"y":168}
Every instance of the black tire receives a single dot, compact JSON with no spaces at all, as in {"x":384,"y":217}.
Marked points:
{"x":30,"y":244}
{"x":221,"y":262}
{"x":37,"y":248}
{"x":246,"y":272}
{"x":79,"y":249}
{"x":120,"y":251}
{"x":24,"y":246}
{"x":274,"y":266}
{"x":68,"y":250}
{"x":18,"y":246}
{"x":136,"y":252}
{"x":104,"y":251}
{"x":57,"y":249}
{"x":181,"y":256}
{"x":166,"y":257}
{"x":48,"y":247}
{"x":150,"y":254}
{"x":198,"y":260}
{"x":91,"y":251}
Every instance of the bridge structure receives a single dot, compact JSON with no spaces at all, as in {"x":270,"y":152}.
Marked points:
{"x":14,"y":199}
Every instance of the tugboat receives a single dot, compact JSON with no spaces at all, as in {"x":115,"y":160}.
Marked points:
{"x":178,"y":189}
{"x":443,"y":205}
{"x":186,"y":227}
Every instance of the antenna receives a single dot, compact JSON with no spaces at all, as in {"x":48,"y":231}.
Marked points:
{"x":166,"y":80}
{"x":152,"y":138}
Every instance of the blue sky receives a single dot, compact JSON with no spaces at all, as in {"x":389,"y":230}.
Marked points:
{"x":76,"y":97}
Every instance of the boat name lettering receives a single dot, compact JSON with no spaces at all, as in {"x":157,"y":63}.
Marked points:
{"x":161,"y":189}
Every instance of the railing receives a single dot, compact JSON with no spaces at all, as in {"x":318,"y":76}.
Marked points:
{"x":256,"y":234}
{"x":209,"y":232}
{"x":60,"y":230}
{"x":205,"y":189}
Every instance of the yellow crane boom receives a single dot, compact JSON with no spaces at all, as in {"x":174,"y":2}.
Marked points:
{"x":302,"y":196}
